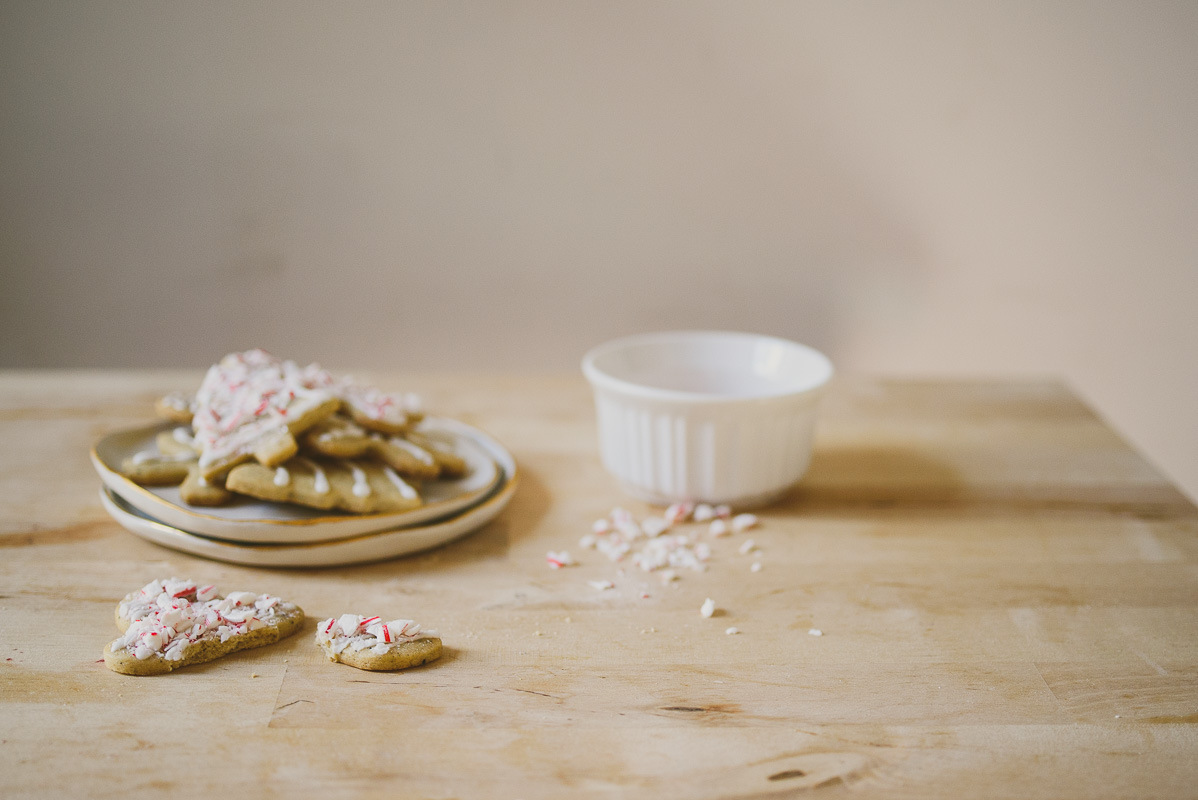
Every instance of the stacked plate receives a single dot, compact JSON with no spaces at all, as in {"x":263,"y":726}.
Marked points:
{"x":249,"y":531}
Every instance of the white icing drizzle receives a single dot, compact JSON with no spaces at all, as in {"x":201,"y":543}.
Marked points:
{"x":183,"y":436}
{"x":320,"y":480}
{"x":282,"y":476}
{"x":417,"y":452}
{"x":405,"y":488}
{"x":202,"y":481}
{"x":361,"y":485}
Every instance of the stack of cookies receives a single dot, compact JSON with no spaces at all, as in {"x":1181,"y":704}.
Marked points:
{"x":269,"y":429}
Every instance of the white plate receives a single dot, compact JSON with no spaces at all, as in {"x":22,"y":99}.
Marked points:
{"x":249,"y":520}
{"x":339,"y":552}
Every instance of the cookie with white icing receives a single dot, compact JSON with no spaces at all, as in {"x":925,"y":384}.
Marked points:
{"x":360,"y":487}
{"x":196,"y":490}
{"x":173,"y":623}
{"x":372,"y":644}
{"x":340,"y":437}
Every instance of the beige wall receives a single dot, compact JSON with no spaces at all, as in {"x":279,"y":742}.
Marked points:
{"x":917,"y":188}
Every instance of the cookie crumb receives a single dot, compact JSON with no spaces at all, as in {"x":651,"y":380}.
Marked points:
{"x":253,"y":674}
{"x":708,"y":608}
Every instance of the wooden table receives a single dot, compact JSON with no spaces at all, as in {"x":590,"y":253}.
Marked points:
{"x":1008,"y":597}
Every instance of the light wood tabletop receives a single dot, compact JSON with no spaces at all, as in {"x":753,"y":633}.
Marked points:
{"x":1007,"y":595}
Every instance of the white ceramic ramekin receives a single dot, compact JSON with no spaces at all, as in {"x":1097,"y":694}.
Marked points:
{"x":708,"y":416}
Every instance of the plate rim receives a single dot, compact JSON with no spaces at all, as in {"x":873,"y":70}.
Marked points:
{"x":487,"y":510}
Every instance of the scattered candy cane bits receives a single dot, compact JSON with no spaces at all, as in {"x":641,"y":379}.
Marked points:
{"x":559,"y":560}
{"x":731,"y":631}
{"x":742,"y":522}
{"x":815,"y":632}
{"x":707,"y":609}
{"x":601,"y":586}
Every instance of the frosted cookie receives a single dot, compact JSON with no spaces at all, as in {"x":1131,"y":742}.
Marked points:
{"x":450,"y":463}
{"x":339,"y":437}
{"x":196,"y":490}
{"x":369,"y":643}
{"x":148,"y":468}
{"x":177,"y":440}
{"x":251,"y":405}
{"x":379,"y":411}
{"x":174,"y":623}
{"x":176,"y":406}
{"x":357,"y":486}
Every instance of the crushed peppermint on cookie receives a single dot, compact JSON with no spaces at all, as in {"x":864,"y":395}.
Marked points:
{"x":248,"y":396}
{"x":167,"y":615}
{"x":559,"y":560}
{"x":355,"y":633}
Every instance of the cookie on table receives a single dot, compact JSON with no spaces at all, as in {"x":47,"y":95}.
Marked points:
{"x":173,"y":623}
{"x":359,"y":487}
{"x":372,"y":644}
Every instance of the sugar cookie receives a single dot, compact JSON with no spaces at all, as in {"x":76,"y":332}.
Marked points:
{"x":197,"y":490}
{"x":339,"y":437}
{"x":369,"y":643}
{"x":174,"y":623}
{"x":358,"y":486}
{"x":176,"y":406}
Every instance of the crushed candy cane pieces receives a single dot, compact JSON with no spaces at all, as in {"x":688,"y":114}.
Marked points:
{"x":747,"y":547}
{"x":718,"y":528}
{"x":815,"y":632}
{"x":679,"y":512}
{"x":742,"y":522}
{"x":707,"y":609}
{"x":731,"y":631}
{"x":756,"y":567}
{"x":559,"y":560}
{"x":354,"y":632}
{"x":601,"y":586}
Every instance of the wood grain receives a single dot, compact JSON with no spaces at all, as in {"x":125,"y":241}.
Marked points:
{"x":1008,"y":595}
